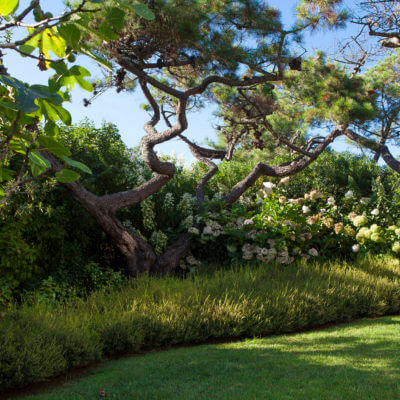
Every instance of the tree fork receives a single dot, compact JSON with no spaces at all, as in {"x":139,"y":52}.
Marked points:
{"x":139,"y":255}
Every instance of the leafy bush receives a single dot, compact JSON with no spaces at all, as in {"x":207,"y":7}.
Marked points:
{"x":49,"y":243}
{"x":314,"y":225}
{"x":40,"y":341}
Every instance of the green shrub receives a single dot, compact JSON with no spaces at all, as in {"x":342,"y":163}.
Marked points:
{"x":273,"y":227}
{"x":36,"y":344}
{"x":40,"y":341}
{"x":48,"y":241}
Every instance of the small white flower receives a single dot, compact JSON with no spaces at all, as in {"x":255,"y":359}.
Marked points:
{"x":193,"y":230}
{"x":322,"y":210}
{"x":306,"y":209}
{"x":207,"y":230}
{"x":355,"y":248}
{"x":331,"y":201}
{"x":313,"y":252}
{"x":268,"y":187}
{"x":285,"y":180}
{"x":349,"y":194}
{"x":248,"y":222}
{"x":375,"y":211}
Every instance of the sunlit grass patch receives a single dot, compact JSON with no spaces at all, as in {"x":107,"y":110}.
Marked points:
{"x":358,"y":361}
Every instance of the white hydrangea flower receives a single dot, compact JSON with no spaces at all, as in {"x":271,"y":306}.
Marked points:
{"x":207,"y":230}
{"x":313,"y":252}
{"x":193,"y":230}
{"x":268,"y":187}
{"x":349,"y":194}
{"x":306,"y":209}
{"x":315,"y":195}
{"x":285,"y":180}
{"x":375,"y":211}
{"x":168,"y":204}
{"x":355,"y":248}
{"x":331,"y":201}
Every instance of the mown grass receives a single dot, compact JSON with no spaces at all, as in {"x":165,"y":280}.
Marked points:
{"x":38,"y":342}
{"x":360,"y":361}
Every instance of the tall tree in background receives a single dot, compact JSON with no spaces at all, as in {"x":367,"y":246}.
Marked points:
{"x":188,"y":51}
{"x":235,"y":52}
{"x":384,"y":129}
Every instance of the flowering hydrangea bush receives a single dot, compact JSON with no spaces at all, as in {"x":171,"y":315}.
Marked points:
{"x":283,"y":229}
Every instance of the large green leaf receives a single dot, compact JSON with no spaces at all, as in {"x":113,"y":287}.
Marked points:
{"x":52,"y":41}
{"x":18,"y":146}
{"x":24,"y":100}
{"x":46,"y":41}
{"x":54,"y":112}
{"x":44,"y":92}
{"x":71,"y":34}
{"x":5,"y":174}
{"x":67,"y":176}
{"x":11,"y":106}
{"x":8,"y":6}
{"x":115,"y":17}
{"x":26,"y":96}
{"x":26,"y":48}
{"x":38,"y":163}
{"x":106,"y":31}
{"x":78,"y":165}
{"x":143,"y":11}
{"x":69,"y":77}
{"x":51,"y":128}
{"x":54,"y":147}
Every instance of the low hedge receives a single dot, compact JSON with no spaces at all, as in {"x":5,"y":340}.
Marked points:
{"x":40,"y":341}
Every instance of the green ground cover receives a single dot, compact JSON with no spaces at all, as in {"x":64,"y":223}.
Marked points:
{"x":357,"y":361}
{"x":40,"y":341}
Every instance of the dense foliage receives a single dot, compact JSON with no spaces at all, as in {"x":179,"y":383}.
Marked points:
{"x":52,"y":249}
{"x":274,"y":227}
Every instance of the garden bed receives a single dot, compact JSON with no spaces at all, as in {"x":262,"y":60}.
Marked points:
{"x":39,"y":341}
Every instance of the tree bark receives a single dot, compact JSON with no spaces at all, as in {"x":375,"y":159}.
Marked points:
{"x":383,"y":150}
{"x":139,"y":255}
{"x":169,"y":260}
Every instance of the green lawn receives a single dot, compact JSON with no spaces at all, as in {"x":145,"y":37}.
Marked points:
{"x":359,"y":361}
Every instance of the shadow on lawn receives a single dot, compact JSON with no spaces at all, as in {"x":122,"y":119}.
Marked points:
{"x":332,"y":364}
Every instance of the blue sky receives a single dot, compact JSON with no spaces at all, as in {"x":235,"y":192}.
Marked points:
{"x":124,"y":110}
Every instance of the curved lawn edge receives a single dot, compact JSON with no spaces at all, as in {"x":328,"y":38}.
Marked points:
{"x":43,"y":389}
{"x":41,"y":342}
